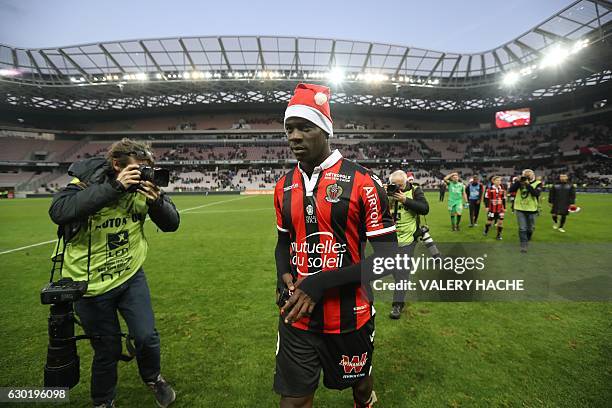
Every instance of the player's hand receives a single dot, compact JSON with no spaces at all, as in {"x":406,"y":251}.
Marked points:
{"x":149,"y":190}
{"x":399,"y":197}
{"x":129,"y":176}
{"x":299,"y":305}
{"x":288,"y":281}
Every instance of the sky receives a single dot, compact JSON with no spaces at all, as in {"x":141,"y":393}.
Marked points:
{"x":442,"y":25}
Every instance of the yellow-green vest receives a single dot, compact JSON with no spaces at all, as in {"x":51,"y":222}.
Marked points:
{"x":118,"y":245}
{"x":525,"y":201}
{"x":406,"y":222}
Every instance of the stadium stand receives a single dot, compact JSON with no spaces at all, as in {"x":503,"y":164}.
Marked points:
{"x":226,"y":164}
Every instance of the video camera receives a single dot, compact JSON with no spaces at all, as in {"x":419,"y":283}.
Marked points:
{"x":63,"y":364}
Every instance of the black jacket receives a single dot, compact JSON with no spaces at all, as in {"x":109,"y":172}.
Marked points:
{"x":96,"y":189}
{"x":562,"y":195}
{"x":418,"y":203}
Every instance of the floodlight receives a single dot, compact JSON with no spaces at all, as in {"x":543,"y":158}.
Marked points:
{"x":554,"y":57}
{"x":510,"y":78}
{"x":336,"y":75}
{"x":8,"y":72}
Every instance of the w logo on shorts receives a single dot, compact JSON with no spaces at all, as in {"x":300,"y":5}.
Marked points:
{"x":354,"y":363}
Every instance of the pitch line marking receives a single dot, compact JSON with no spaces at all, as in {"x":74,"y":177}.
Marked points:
{"x":232,"y":211}
{"x":8,"y":251}
{"x":26,"y":247}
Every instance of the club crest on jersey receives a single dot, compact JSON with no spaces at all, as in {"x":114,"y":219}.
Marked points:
{"x":333,"y":193}
{"x":309,"y":209}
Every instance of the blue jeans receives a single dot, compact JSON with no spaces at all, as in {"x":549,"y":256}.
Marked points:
{"x":399,"y":275}
{"x":526,"y":224}
{"x":98,"y":316}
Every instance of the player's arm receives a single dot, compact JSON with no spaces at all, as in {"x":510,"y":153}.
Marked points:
{"x":447,"y":178}
{"x":284,"y":278}
{"x":465,"y":199}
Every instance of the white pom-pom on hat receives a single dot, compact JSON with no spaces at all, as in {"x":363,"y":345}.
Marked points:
{"x":320,"y":98}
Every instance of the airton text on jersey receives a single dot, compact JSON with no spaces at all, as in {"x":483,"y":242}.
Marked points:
{"x":372,"y":201}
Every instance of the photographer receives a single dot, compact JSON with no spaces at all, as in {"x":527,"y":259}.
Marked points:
{"x":101,"y":215}
{"x":526,"y":204}
{"x":407,"y":203}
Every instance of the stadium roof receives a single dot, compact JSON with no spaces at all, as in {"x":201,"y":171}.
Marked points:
{"x":244,"y":59}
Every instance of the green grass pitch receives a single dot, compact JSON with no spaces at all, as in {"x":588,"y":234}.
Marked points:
{"x":212,"y":284}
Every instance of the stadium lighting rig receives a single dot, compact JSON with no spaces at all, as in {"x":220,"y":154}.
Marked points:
{"x":556,"y":55}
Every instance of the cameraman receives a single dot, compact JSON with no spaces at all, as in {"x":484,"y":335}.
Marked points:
{"x":101,"y":215}
{"x":407,"y":204}
{"x":526,"y":204}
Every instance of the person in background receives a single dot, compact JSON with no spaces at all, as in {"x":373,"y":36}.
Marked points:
{"x":407,"y":203}
{"x":475,"y":192}
{"x":526,"y":205}
{"x":442,"y":189}
{"x":562,"y":195}
{"x":495,"y":201}
{"x":456,"y":199}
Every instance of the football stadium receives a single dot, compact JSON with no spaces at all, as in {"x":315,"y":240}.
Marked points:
{"x":207,"y":123}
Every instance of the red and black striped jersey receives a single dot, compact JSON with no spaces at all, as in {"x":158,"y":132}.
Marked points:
{"x":496,"y":197}
{"x":328,"y":217}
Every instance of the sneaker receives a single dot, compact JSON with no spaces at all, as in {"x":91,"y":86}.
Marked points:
{"x":475,"y":224}
{"x":472,"y":225}
{"x":485,"y":233}
{"x":108,"y":404}
{"x":371,"y":402}
{"x":555,"y":226}
{"x":561,"y":230}
{"x":164,"y":394}
{"x":499,"y":238}
{"x":396,"y":312}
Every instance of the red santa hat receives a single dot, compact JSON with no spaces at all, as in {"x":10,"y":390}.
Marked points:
{"x":311,"y":102}
{"x":410,"y":176}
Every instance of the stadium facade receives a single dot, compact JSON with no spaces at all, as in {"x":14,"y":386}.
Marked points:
{"x":408,"y":100}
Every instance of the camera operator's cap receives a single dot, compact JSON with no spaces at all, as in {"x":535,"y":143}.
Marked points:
{"x":311,"y":102}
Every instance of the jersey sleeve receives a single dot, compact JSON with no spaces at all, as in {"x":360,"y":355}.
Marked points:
{"x":278,"y":197}
{"x":377,"y":216}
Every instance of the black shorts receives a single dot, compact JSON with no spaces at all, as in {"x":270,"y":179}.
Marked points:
{"x":495,"y":216}
{"x":300,"y":355}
